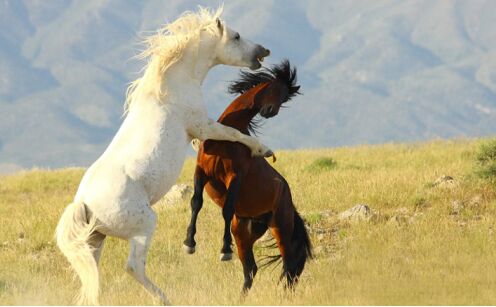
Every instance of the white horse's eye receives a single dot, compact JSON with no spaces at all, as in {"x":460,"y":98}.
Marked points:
{"x":236,"y":36}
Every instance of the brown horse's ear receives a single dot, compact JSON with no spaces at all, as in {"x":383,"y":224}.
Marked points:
{"x":219,"y":26}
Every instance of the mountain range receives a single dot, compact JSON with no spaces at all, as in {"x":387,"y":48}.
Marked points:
{"x":370,"y":71}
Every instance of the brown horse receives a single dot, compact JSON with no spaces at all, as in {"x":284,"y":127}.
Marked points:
{"x":252,"y":194}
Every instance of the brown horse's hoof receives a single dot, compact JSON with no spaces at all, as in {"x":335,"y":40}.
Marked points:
{"x":225,"y":257}
{"x":189,"y":249}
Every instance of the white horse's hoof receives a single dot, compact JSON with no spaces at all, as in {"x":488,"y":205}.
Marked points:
{"x":165,"y":302}
{"x":188,"y":249}
{"x":225,"y":257}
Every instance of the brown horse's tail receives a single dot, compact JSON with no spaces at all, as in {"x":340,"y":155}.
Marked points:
{"x":302,"y":250}
{"x":301,"y":247}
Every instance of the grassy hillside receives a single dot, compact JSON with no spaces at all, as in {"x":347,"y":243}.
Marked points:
{"x":427,"y":243}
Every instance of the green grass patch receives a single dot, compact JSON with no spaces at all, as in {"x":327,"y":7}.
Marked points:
{"x":313,"y":217}
{"x":323,"y":164}
{"x":419,"y":202}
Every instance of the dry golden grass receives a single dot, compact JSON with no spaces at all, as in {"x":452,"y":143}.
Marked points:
{"x":414,"y":251}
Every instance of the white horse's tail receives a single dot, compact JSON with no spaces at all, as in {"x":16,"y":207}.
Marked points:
{"x":73,"y":235}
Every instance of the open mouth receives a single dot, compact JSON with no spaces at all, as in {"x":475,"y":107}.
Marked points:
{"x":257,"y":61}
{"x":268,"y":115}
{"x":263,"y":54}
{"x":268,"y":112}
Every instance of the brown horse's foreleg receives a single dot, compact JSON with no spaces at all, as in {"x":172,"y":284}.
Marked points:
{"x":246,"y":232}
{"x":196,"y":205}
{"x":228,"y":214}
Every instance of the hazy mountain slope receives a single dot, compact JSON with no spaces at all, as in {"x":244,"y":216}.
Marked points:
{"x":370,"y":72}
{"x":399,"y":71}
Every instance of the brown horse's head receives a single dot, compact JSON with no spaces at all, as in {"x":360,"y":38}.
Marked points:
{"x":269,"y":88}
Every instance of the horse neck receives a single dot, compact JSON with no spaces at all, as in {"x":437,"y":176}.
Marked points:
{"x":239,"y":113}
{"x":193,"y":66}
{"x":185,"y":75}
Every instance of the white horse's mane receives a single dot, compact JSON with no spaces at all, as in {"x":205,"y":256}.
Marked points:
{"x":166,"y":47}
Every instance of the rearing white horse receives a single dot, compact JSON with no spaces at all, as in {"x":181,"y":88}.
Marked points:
{"x":165,"y":110}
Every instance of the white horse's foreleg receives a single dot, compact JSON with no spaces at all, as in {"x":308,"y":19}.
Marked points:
{"x":213,"y":130}
{"x":136,"y":266}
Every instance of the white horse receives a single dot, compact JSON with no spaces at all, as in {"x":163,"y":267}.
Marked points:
{"x":165,"y":110}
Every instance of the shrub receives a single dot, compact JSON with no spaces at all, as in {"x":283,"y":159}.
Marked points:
{"x":323,"y":164}
{"x":486,"y":160}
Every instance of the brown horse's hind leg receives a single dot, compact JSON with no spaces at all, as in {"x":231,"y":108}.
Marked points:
{"x":246,"y":232}
{"x":196,"y":205}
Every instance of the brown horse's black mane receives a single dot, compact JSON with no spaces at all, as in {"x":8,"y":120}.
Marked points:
{"x":281,"y":72}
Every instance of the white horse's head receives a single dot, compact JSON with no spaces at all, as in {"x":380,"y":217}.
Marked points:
{"x":195,"y":42}
{"x":232,"y":49}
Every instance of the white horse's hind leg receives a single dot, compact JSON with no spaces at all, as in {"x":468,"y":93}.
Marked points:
{"x":136,"y":266}
{"x":96,"y":241}
{"x":137,"y":261}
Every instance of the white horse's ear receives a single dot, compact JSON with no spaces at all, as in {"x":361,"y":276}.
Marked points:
{"x":219,"y":26}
